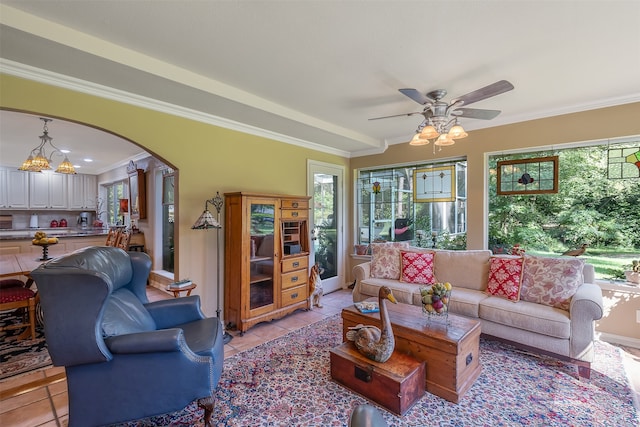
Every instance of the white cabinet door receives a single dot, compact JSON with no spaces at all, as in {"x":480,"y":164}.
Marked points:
{"x":76,"y":191}
{"x":90,"y":191}
{"x":4,"y":184}
{"x":47,"y":190}
{"x":17,"y":189}
{"x":39,"y":190}
{"x":57,"y":191}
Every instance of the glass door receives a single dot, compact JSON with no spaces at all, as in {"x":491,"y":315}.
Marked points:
{"x":262,"y":257}
{"x":327,"y":223}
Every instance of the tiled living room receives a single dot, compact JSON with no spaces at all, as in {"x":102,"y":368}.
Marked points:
{"x":492,"y":129}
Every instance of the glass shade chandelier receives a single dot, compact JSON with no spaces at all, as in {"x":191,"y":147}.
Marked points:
{"x":38,"y":160}
{"x":442,"y":130}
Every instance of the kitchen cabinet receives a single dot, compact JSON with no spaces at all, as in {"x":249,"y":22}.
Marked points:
{"x":47,"y":190}
{"x":83,"y":190}
{"x":14,"y":189}
{"x":266,"y":257}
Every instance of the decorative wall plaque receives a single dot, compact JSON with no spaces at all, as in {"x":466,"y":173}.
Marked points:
{"x":528,"y":176}
{"x":434,"y":184}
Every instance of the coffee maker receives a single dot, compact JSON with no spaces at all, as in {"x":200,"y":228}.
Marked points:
{"x":83,"y":219}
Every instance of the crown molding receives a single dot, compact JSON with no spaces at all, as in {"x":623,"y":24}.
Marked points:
{"x":59,"y":80}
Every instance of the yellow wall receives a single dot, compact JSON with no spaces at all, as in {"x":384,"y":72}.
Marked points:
{"x":570,"y":128}
{"x":208,"y":158}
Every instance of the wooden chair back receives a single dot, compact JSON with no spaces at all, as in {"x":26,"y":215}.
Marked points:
{"x":113,"y":236}
{"x":15,"y":294}
{"x":123,"y":240}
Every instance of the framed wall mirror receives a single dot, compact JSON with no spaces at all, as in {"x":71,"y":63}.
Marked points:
{"x":137,"y":194}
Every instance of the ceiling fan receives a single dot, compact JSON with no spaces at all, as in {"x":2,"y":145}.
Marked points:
{"x":441,"y":118}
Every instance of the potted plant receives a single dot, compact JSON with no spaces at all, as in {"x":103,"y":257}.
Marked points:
{"x":633,"y":275}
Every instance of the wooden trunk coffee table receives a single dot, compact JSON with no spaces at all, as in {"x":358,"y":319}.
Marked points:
{"x":450,"y":350}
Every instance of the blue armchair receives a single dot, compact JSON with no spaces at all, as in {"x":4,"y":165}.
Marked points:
{"x":125,"y":358}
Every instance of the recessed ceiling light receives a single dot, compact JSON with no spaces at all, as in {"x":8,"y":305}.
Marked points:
{"x":77,"y":166}
{"x":88,"y":160}
{"x":65,"y":151}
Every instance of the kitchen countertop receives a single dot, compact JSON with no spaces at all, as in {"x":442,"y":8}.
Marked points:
{"x":27,"y":233}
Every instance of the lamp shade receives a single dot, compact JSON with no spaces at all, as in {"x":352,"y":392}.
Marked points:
{"x":457,"y":132}
{"x":444,"y":140}
{"x":418,"y":140}
{"x":429,"y":132}
{"x":205,"y":221}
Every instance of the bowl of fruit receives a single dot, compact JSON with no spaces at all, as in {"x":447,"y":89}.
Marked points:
{"x":41,"y":239}
{"x":435,"y":300}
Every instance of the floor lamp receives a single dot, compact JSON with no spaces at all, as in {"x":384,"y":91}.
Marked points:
{"x":204,"y":222}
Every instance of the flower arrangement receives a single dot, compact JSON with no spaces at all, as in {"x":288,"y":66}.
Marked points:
{"x":435,"y":298}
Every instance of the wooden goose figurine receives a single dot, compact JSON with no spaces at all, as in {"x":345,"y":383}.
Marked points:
{"x":369,"y":340}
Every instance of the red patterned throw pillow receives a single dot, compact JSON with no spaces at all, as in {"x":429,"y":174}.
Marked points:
{"x":505,"y":277}
{"x":417,"y":267}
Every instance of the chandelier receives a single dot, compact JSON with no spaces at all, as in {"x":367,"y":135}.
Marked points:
{"x":38,"y":160}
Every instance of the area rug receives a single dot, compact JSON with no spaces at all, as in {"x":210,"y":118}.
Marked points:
{"x":286,"y":382}
{"x":23,"y":356}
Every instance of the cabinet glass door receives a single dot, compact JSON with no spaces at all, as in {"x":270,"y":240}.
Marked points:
{"x":262,"y":235}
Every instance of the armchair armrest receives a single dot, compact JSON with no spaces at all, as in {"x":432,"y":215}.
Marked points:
{"x":165,"y":340}
{"x":171,"y":312}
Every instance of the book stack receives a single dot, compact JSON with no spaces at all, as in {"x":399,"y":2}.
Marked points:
{"x":180,"y":284}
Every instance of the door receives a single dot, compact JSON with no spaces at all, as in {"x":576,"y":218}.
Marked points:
{"x":325,"y":186}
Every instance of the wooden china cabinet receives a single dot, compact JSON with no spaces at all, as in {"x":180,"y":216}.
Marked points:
{"x":266,"y":257}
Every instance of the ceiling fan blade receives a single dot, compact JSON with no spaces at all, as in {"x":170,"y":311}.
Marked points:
{"x":475,"y":113}
{"x":397,"y":115}
{"x":494,"y":89}
{"x":416,"y":96}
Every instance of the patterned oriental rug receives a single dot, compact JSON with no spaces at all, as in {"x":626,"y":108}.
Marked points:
{"x":20,"y":357}
{"x":286,"y":382}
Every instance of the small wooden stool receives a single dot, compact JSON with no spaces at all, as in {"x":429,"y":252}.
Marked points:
{"x":176,"y":292}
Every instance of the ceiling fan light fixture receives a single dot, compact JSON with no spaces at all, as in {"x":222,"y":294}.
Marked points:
{"x":444,"y":140}
{"x":457,"y":132}
{"x":429,"y":132}
{"x":418,"y":140}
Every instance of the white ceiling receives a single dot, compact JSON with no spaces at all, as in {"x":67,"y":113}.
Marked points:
{"x":316,"y":71}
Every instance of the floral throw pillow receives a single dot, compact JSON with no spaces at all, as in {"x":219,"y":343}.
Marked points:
{"x":505,"y":277}
{"x":385,"y":259}
{"x":417,"y":267}
{"x":551,"y":281}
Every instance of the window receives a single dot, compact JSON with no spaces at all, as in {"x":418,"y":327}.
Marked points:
{"x":598,"y":204}
{"x":388,"y":210}
{"x":114,"y":192}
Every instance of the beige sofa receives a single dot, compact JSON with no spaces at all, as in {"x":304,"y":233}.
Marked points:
{"x":567,"y":335}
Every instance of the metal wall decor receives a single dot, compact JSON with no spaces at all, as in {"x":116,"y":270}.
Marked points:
{"x":434,"y":185}
{"x":528,"y":176}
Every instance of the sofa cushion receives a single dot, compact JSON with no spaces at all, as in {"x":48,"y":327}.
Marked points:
{"x":463,"y":269}
{"x":417,"y":267}
{"x":402,"y":291}
{"x":528,"y":316}
{"x":385,"y":259}
{"x":466,"y":302}
{"x":125,"y":314}
{"x":505,"y":277}
{"x":551,"y":281}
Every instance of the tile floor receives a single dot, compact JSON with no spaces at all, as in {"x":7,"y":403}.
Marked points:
{"x":44,"y":403}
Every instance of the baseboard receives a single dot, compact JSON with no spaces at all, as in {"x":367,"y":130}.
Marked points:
{"x":618,"y":339}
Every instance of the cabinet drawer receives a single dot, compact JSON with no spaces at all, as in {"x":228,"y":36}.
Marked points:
{"x":295,"y":204}
{"x":295,"y":264}
{"x":294,"y":295}
{"x":294,"y":214}
{"x":295,"y":278}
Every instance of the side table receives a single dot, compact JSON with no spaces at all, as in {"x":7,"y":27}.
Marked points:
{"x":188,"y":289}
